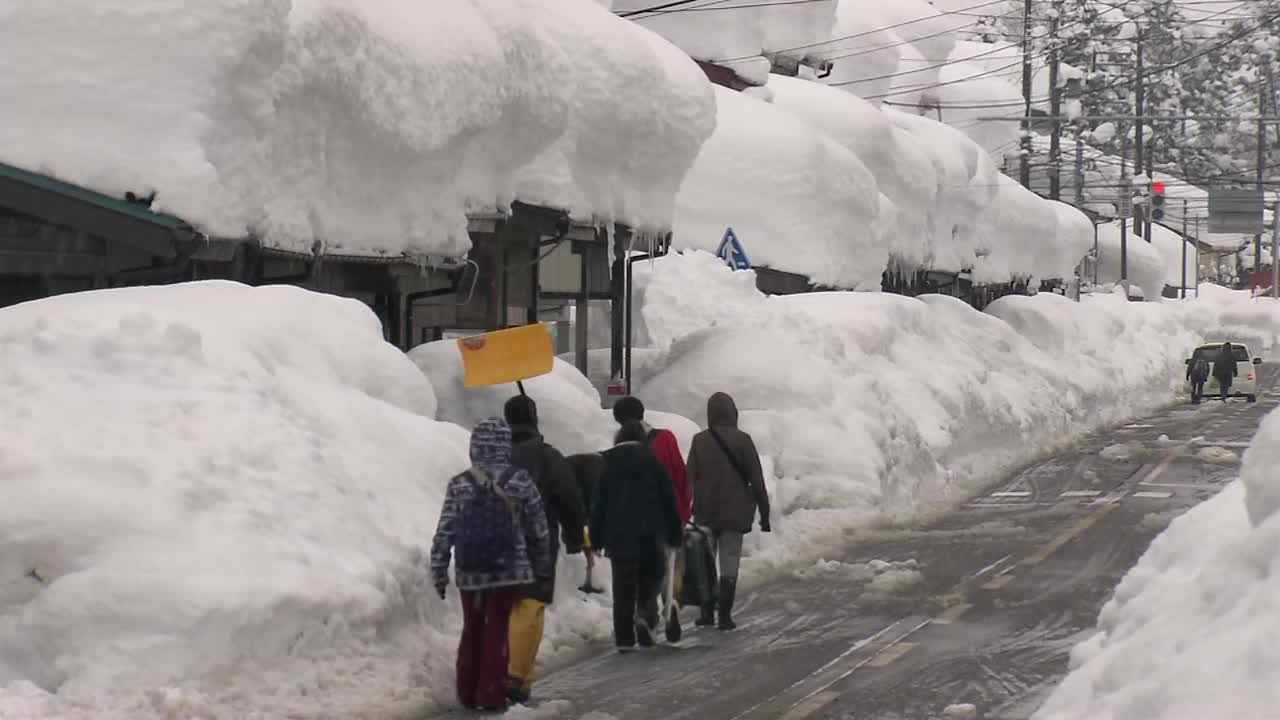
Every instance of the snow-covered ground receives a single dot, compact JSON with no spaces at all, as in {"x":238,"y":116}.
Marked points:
{"x":218,"y":496}
{"x":1191,"y":631}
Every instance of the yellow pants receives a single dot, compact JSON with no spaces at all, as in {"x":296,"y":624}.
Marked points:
{"x":523,"y":638}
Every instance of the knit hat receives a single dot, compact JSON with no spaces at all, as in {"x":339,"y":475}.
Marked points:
{"x":628,"y":408}
{"x":521,"y":410}
{"x":491,"y":443}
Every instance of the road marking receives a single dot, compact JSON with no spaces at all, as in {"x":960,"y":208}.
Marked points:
{"x":1011,"y":493}
{"x":951,"y":614}
{"x":1069,"y":534}
{"x":990,"y":567}
{"x":997,"y":582}
{"x":1159,"y":469}
{"x":1082,"y":493}
{"x":1153,"y":495}
{"x":812,"y":705}
{"x":889,"y":655}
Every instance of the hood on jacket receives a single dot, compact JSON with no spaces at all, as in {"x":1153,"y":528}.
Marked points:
{"x":491,"y":443}
{"x":721,"y":411}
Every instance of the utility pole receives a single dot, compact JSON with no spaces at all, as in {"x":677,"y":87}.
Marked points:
{"x":1024,"y":173}
{"x":1140,"y":126}
{"x":1127,"y":190}
{"x":1055,"y":106}
{"x":1197,"y":236}
{"x":1183,"y":286}
{"x":1079,"y":174}
{"x":1262,"y":165}
{"x":1275,"y":251}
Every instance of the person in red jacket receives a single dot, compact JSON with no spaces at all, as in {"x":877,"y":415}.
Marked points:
{"x":663,"y":444}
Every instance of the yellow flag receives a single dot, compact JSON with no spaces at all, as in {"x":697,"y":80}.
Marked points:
{"x":506,"y":356}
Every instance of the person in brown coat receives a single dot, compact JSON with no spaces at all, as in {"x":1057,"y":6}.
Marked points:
{"x":728,"y":490}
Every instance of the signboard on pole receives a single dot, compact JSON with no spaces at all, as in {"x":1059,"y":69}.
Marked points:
{"x":731,"y":251}
{"x":1236,"y":210}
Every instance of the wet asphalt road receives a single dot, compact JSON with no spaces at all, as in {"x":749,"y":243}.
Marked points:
{"x":981,"y":607}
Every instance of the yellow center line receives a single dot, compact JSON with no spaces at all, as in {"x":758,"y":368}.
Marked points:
{"x":1070,"y":534}
{"x":810,"y":706}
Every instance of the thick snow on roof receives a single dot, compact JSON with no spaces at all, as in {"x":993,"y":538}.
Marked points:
{"x":369,"y":125}
{"x":797,"y":200}
{"x":904,"y":172}
{"x":1170,"y":243}
{"x":1146,"y":264}
{"x":864,"y":56}
{"x":965,"y":97}
{"x":736,"y":33}
{"x":967,"y":184}
{"x":623,"y":156}
{"x":1023,"y":238}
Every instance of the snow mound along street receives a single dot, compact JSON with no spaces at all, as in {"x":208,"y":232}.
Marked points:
{"x":206,"y":478}
{"x":369,"y":126}
{"x":846,"y":397}
{"x":1190,"y":632}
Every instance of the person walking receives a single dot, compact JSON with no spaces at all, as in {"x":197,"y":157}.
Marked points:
{"x":728,"y":490}
{"x":1197,"y":375}
{"x":493,"y":521}
{"x":587,"y":470}
{"x":667,"y":450}
{"x":1225,"y":369}
{"x":565,"y":513}
{"x":634,"y":520}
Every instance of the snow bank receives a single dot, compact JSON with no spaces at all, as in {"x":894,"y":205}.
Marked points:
{"x":903,"y":172}
{"x":1146,"y":264}
{"x":1190,"y":631}
{"x":844,"y":395}
{"x":220,"y":488}
{"x":369,"y":126}
{"x":569,"y":410}
{"x":796,"y":199}
{"x":1169,"y":244}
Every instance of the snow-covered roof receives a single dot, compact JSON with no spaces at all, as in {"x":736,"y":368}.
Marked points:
{"x":903,"y":171}
{"x":370,"y":125}
{"x":864,"y":56}
{"x":1022,"y":237}
{"x":1146,"y":262}
{"x":797,"y":200}
{"x":967,"y":182}
{"x":737,"y":33}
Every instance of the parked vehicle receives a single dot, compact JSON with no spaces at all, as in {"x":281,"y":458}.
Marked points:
{"x":1245,"y":383}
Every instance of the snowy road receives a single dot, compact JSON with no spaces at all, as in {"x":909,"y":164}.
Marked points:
{"x":1006,"y":586}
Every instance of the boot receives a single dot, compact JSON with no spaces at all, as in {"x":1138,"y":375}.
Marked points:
{"x":728,"y":587}
{"x":708,"y":616}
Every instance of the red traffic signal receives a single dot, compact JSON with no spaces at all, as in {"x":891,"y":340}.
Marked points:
{"x":1157,"y":188}
{"x":1157,"y":201}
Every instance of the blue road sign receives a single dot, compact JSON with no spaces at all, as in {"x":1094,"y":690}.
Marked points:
{"x":731,"y":252}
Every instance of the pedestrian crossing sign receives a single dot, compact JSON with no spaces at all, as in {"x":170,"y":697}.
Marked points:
{"x":731,"y":251}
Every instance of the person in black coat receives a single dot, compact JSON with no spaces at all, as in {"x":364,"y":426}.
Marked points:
{"x":566,"y":516}
{"x":634,"y":519}
{"x":1225,"y":369}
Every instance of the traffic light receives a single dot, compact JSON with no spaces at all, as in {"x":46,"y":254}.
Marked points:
{"x":1157,"y":201}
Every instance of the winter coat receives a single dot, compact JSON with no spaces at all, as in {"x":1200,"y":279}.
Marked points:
{"x":634,"y":508}
{"x":722,"y":498}
{"x":561,"y":499}
{"x":587,"y":469}
{"x":1198,"y":370}
{"x":491,"y":456}
{"x":1224,"y":367}
{"x":667,"y":450}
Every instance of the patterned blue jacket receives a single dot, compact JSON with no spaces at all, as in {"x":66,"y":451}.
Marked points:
{"x":491,"y":456}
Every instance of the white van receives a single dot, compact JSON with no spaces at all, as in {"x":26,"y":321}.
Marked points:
{"x":1246,"y":382}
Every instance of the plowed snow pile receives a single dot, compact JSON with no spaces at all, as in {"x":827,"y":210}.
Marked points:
{"x":216,"y":502}
{"x":1191,"y":631}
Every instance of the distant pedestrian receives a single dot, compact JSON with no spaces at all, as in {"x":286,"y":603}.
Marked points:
{"x":565,"y":514}
{"x":634,"y":520}
{"x":728,"y":489}
{"x":493,"y":518}
{"x":1197,"y":375}
{"x":1225,"y":369}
